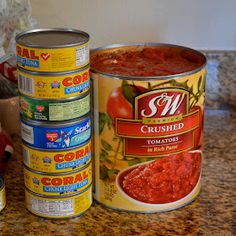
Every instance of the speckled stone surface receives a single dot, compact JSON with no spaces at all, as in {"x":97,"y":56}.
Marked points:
{"x":212,"y":213}
{"x":221,"y":79}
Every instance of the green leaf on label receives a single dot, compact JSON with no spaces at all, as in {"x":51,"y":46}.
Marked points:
{"x":134,"y":162}
{"x":127,"y":92}
{"x":191,"y":89}
{"x":102,"y":121}
{"x":199,"y":84}
{"x":103,"y":155}
{"x":109,"y":121}
{"x":106,"y":145}
{"x":115,"y":138}
{"x":112,"y":172}
{"x":104,"y":172}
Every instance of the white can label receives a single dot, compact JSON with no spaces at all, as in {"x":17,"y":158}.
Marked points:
{"x":82,"y":55}
{"x":27,"y":133}
{"x":52,"y":208}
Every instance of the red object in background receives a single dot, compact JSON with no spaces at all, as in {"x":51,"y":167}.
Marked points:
{"x":6,"y":150}
{"x":8,"y":71}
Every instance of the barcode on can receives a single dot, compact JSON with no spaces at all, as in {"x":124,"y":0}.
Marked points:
{"x":26,"y":156}
{"x":26,"y":84}
{"x":52,"y":208}
{"x":27,"y":133}
{"x":82,"y":55}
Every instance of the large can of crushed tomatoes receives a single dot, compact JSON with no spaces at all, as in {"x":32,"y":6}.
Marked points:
{"x":148,"y":120}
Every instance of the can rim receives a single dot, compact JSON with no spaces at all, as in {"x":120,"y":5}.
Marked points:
{"x":30,"y":72}
{"x":58,"y":197}
{"x":58,"y":100}
{"x":56,"y":124}
{"x":2,"y":183}
{"x":18,"y":36}
{"x":60,"y":173}
{"x":56,"y":150}
{"x":142,"y":78}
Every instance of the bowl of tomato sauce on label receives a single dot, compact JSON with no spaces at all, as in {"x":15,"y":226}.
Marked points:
{"x":162,"y":181}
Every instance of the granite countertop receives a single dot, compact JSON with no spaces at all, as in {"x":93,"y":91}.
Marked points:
{"x":212,"y":213}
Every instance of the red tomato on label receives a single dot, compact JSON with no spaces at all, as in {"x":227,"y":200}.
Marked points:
{"x":119,"y":106}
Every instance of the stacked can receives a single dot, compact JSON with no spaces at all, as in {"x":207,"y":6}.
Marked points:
{"x":54,"y":86}
{"x":2,"y":194}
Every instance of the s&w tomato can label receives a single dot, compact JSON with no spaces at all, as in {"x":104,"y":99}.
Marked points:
{"x":57,"y":161}
{"x":2,"y":194}
{"x":58,"y":184}
{"x":54,"y":110}
{"x":52,"y":50}
{"x":148,"y":112}
{"x":54,"y":85}
{"x":56,"y":135}
{"x":58,"y":207}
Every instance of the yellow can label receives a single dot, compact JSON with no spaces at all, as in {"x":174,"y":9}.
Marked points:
{"x":59,"y":161}
{"x":2,"y":198}
{"x":59,"y":207}
{"x":54,"y":86}
{"x":58,"y":184}
{"x":52,"y":59}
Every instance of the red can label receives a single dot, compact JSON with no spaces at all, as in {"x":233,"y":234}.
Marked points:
{"x":163,"y":124}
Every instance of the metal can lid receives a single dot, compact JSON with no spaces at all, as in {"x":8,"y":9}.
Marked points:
{"x":52,"y":38}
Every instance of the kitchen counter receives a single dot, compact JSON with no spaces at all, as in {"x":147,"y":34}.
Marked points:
{"x":212,"y":213}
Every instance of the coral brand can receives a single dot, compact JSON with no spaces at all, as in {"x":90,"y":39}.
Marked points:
{"x":148,"y":118}
{"x":53,"y":85}
{"x":58,"y":207}
{"x":52,"y":50}
{"x":58,"y":184}
{"x":56,"y":135}
{"x":2,"y":194}
{"x":57,"y":161}
{"x":54,"y":110}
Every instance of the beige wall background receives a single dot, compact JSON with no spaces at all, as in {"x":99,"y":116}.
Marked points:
{"x":201,"y":24}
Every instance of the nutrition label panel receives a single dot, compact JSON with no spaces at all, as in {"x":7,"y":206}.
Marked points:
{"x":82,"y":55}
{"x":52,"y":207}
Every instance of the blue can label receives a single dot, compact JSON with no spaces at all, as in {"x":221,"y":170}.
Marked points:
{"x":56,"y":137}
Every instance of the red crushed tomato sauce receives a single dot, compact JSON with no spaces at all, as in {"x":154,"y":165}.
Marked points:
{"x":147,"y":61}
{"x":164,"y":180}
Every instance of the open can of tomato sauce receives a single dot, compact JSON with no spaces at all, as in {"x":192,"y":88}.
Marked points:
{"x":148,"y":114}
